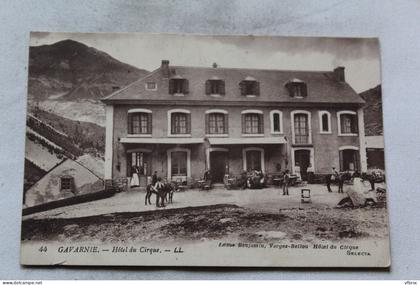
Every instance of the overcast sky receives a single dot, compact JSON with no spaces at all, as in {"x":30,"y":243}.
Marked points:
{"x":360,"y":57}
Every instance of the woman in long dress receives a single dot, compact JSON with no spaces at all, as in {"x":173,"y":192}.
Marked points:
{"x":134,"y":177}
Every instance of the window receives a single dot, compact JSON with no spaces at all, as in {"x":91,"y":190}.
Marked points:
{"x":138,"y":161}
{"x":253,"y":159}
{"x":179,"y":163}
{"x":349,"y":159}
{"x":151,"y":86}
{"x":276,"y":118}
{"x":297,"y":88}
{"x":324,"y":122}
{"x":252,"y":123}
{"x":139,"y":123}
{"x":301,"y":129}
{"x":249,"y":87}
{"x":217,"y":123}
{"x":67,"y":183}
{"x":180,"y":123}
{"x":303,"y":161}
{"x":215,"y":86}
{"x":347,"y":123}
{"x":178,"y":86}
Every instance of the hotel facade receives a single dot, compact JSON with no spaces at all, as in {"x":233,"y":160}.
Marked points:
{"x":181,"y":121}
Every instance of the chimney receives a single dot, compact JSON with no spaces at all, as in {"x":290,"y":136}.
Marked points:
{"x":339,"y":73}
{"x":165,"y":68}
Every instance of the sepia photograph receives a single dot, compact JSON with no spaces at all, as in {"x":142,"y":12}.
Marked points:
{"x":199,"y":150}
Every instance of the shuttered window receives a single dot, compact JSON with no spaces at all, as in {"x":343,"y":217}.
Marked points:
{"x":348,"y":124}
{"x":215,"y":87}
{"x":180,"y":123}
{"x":249,"y":87}
{"x":216,"y":123}
{"x":178,"y":86}
{"x":297,"y":89}
{"x":252,"y":123}
{"x":139,"y":123}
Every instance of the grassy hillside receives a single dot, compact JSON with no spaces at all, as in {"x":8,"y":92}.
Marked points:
{"x":88,"y":137}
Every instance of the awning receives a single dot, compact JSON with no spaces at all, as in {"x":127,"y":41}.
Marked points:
{"x":374,"y":142}
{"x":248,"y":140}
{"x":162,"y":140}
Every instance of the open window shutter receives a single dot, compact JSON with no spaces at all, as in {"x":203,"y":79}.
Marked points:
{"x":208,"y":87}
{"x":304,"y":90}
{"x":261,"y":124}
{"x":243,"y":123}
{"x":242,"y":87}
{"x":129,"y":126}
{"x":188,"y":123}
{"x":172,"y":124}
{"x":342,"y":123}
{"x":171,"y":86}
{"x":226,"y":130}
{"x":207,"y":122}
{"x":149,"y":123}
{"x":185,"y":86}
{"x":256,"y":88}
{"x":222,"y":89}
{"x":341,"y":160}
{"x":354,"y":124}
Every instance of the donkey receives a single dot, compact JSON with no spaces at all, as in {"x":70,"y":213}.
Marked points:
{"x":162,"y":194}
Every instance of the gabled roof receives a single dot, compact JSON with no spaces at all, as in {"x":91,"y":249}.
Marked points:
{"x":322,"y":86}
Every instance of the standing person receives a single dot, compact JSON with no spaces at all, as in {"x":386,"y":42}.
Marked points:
{"x":154,"y":178}
{"x":286,"y":180}
{"x":158,"y":187}
{"x":340,"y":180}
{"x":331,"y":177}
{"x":134,"y":177}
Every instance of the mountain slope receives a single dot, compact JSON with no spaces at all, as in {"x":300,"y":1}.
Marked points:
{"x":69,"y":78}
{"x":69,"y":70}
{"x":373,"y":111}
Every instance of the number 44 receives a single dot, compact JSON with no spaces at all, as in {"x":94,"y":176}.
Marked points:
{"x":43,"y":249}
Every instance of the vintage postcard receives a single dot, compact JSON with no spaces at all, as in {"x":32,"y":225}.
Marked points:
{"x":194,"y":150}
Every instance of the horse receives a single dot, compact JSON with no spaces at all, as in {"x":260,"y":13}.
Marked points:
{"x":162,"y":194}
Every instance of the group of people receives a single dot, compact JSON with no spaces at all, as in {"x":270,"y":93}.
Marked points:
{"x":340,"y":178}
{"x":255,"y":180}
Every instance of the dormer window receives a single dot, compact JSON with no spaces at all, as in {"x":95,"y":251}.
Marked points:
{"x":151,"y":86}
{"x":215,"y":86}
{"x":178,"y":86}
{"x":67,"y":183}
{"x":297,"y":88}
{"x":249,"y":87}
